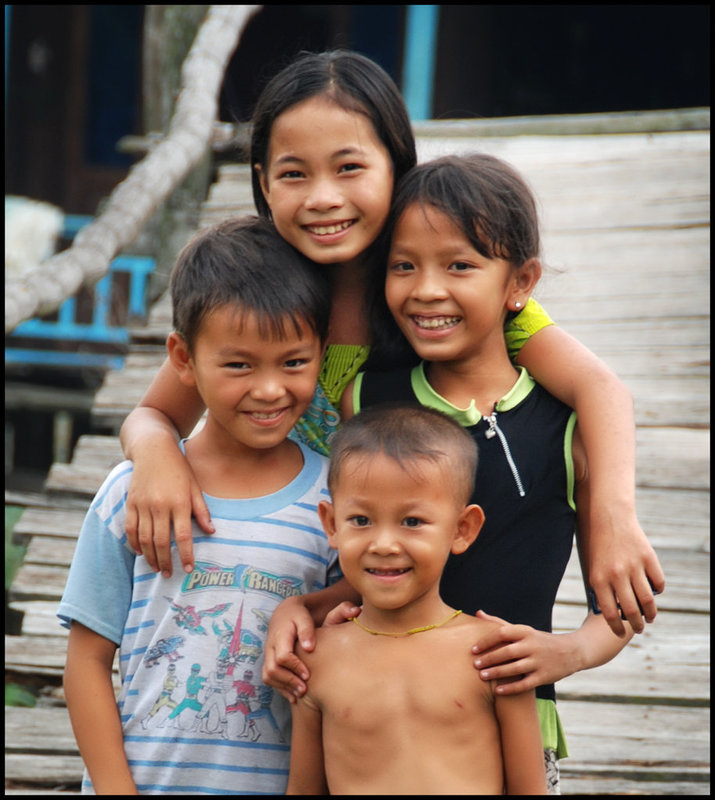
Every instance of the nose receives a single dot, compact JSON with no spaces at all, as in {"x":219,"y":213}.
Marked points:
{"x":428,"y":285}
{"x":383,"y":541}
{"x":324,"y":195}
{"x":268,"y":387}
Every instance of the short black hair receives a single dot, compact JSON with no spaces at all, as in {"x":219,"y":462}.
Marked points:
{"x":244,"y":262}
{"x":408,"y":432}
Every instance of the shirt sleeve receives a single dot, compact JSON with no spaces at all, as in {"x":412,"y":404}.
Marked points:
{"x":99,"y":586}
{"x":530,"y":320}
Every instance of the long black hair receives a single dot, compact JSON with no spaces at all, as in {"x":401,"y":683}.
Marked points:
{"x":354,"y":83}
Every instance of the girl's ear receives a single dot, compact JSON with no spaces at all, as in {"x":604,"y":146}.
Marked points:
{"x":525,"y":279}
{"x":180,"y":358}
{"x":468,"y":526}
{"x":326,"y":512}
{"x":262,"y":180}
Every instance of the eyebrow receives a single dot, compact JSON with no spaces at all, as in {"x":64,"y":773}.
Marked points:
{"x":345,"y":151}
{"x":292,"y":350}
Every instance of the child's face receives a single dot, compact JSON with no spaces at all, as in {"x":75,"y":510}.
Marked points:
{"x":255,"y":387}
{"x":394,"y":529}
{"x":328,"y":180}
{"x":448,"y":299}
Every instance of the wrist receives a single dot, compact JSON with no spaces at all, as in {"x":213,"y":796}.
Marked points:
{"x":573,"y":652}
{"x":612,"y":513}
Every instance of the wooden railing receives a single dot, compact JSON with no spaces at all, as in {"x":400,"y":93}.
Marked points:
{"x":99,"y":338}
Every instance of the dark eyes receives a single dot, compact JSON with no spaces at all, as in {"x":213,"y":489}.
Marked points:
{"x":411,"y":522}
{"x":402,"y":266}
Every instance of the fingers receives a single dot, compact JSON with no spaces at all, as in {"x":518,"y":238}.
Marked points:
{"x":305,"y":634}
{"x":342,"y":613}
{"x":525,"y":684}
{"x":283,"y":670}
{"x":656,"y":576}
{"x":496,"y":636}
{"x":607,"y":604}
{"x":155,"y":540}
{"x":145,"y":536}
{"x":131,"y":526}
{"x":285,"y":676}
{"x":489,"y":617}
{"x":200,"y":510}
{"x":631,"y":599}
{"x":631,"y":610}
{"x":183,"y":534}
{"x":625,"y":578}
{"x":513,"y":677}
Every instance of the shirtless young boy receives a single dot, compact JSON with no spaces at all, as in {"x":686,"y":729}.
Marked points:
{"x":394,"y":705}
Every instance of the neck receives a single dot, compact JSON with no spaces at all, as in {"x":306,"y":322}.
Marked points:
{"x":485,"y":381}
{"x":348,"y":311}
{"x":426,"y":613}
{"x":410,"y":631}
{"x":231,"y":470}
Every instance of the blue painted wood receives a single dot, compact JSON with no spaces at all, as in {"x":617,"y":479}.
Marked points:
{"x":418,"y":64}
{"x":99,"y":331}
{"x":58,"y":358}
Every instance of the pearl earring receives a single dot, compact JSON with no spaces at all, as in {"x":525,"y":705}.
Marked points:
{"x":517,"y":304}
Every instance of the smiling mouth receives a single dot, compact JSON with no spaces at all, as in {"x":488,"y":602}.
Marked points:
{"x":388,"y":572}
{"x":435,"y":323}
{"x":326,"y":230}
{"x":267,"y":415}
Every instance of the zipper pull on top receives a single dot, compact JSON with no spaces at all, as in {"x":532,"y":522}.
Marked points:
{"x":493,"y":431}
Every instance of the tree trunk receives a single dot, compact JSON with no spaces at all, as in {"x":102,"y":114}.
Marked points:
{"x":169,"y":32}
{"x":149,"y":182}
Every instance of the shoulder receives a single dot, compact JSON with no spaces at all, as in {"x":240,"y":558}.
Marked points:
{"x":313,"y":477}
{"x":332,"y":645}
{"x":469,"y":627}
{"x":109,"y":503}
{"x":531,"y":319}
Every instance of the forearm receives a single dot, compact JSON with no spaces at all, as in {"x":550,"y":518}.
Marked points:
{"x":607,"y":425}
{"x":95,"y":720}
{"x":145,"y":429}
{"x":169,"y":409}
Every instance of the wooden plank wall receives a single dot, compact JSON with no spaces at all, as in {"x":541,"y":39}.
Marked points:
{"x":626,"y":237}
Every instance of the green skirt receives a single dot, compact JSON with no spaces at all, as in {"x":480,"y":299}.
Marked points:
{"x":552,"y":732}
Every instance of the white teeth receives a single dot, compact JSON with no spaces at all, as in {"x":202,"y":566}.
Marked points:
{"x":387,"y":571}
{"x":325,"y":229}
{"x":271,"y":415}
{"x":435,"y":322}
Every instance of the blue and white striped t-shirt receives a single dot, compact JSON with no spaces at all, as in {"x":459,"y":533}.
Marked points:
{"x":196,"y":717}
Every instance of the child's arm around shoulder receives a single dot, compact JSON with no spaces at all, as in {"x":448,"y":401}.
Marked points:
{"x":521,"y":657}
{"x":621,"y":558}
{"x":93,"y":710}
{"x":164,"y":492}
{"x":295,"y":620}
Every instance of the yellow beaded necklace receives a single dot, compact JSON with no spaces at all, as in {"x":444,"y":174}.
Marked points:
{"x":406,"y":633}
